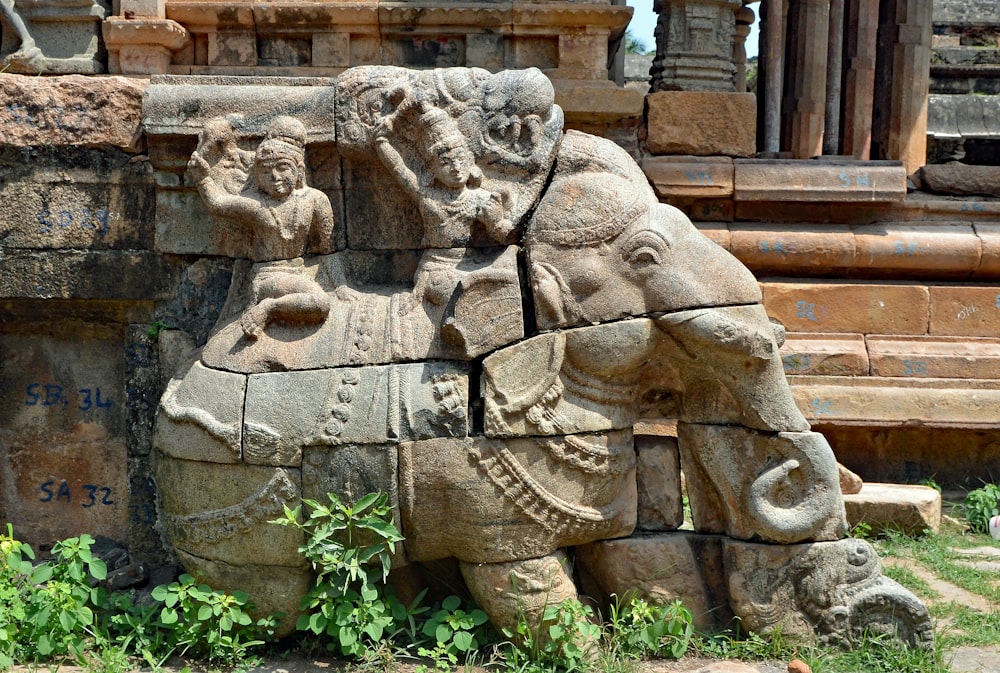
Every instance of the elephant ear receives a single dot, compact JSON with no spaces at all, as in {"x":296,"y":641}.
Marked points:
{"x":519,"y":376}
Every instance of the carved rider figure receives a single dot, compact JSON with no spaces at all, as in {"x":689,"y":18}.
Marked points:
{"x":453,"y":204}
{"x":282,"y":218}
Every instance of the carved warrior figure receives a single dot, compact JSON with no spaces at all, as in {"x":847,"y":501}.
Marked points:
{"x":449,"y":190}
{"x":346,"y":388}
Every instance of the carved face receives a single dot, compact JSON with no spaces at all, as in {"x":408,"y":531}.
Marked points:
{"x":452,"y":166}
{"x":276,"y":177}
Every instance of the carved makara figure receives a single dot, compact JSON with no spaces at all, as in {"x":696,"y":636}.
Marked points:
{"x":323,"y":375}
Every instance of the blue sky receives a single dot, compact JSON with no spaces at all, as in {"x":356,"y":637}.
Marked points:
{"x":644,"y":20}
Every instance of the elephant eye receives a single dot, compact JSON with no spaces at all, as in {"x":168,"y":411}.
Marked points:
{"x":645,"y":249}
{"x":643,"y":257}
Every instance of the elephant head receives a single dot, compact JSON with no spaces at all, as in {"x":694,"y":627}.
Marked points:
{"x":629,"y":281}
{"x":601,"y":247}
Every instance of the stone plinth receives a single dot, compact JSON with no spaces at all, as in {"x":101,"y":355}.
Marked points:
{"x":689,"y":176}
{"x":829,"y":354}
{"x":143,"y":46}
{"x":935,"y":357}
{"x":791,"y":180}
{"x":879,"y":401}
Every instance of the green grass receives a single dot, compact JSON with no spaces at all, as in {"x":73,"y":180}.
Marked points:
{"x":911,"y":581}
{"x":936,"y":553}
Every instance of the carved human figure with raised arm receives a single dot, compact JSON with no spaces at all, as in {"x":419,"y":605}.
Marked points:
{"x":281,"y":217}
{"x":454,"y":205}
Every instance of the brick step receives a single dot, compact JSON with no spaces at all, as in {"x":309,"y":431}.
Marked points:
{"x":892,"y":356}
{"x":887,"y":401}
{"x":884,"y":308}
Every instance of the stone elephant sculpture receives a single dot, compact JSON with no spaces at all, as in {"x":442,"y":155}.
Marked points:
{"x":491,"y":388}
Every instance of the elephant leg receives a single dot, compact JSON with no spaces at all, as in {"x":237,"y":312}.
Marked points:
{"x":520,"y":590}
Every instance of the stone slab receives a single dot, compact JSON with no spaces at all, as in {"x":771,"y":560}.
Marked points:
{"x":79,"y":274}
{"x":935,"y":357}
{"x":866,"y":308}
{"x":689,"y":176}
{"x":658,"y":475}
{"x":583,"y":102}
{"x":925,"y":402}
{"x":808,"y":180}
{"x":71,"y":110}
{"x":287,"y":411}
{"x":201,"y":415}
{"x":827,"y":354}
{"x":913,"y":510}
{"x":63,"y":454}
{"x":962,"y":179}
{"x":903,"y":250}
{"x":468,"y":304}
{"x":221,"y":512}
{"x":793,"y":248}
{"x":271,"y":588}
{"x":552,"y":384}
{"x":661,"y":569}
{"x":350,"y":471}
{"x":487,"y":501}
{"x":179,"y":106}
{"x":964,"y":311}
{"x":703,"y":123}
{"x":75,"y":197}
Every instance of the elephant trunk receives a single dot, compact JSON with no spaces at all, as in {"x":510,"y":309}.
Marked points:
{"x":777,"y":508}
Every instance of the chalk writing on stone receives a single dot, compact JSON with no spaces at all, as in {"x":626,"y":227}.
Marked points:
{"x":85,"y":218}
{"x":93,"y":494}
{"x":51,"y":395}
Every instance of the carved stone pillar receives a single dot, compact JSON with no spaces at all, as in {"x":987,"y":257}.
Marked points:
{"x":810,"y":78}
{"x":774,"y":13}
{"x":694,"y":45}
{"x":744,"y":19}
{"x":142,"y":40}
{"x":902,"y":124}
{"x":834,"y":64}
{"x":859,"y":77}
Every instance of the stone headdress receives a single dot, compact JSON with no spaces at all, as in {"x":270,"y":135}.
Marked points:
{"x":285,"y":139}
